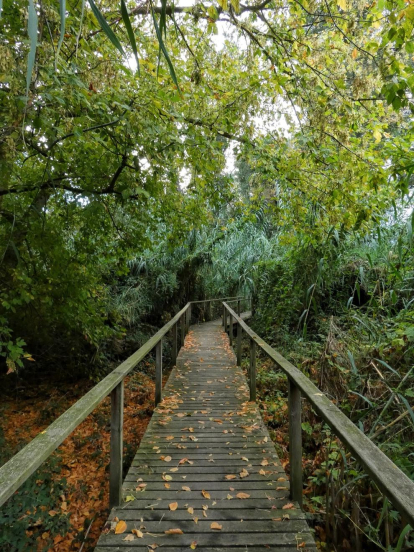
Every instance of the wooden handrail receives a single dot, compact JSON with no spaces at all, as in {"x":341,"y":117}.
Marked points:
{"x":23,"y":464}
{"x":395,"y":485}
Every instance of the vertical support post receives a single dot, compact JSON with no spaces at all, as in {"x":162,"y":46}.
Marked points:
{"x":239,"y":340}
{"x":231,"y":330}
{"x":295,"y":443}
{"x":224,"y":317}
{"x":117,"y":444}
{"x":209,"y":311}
{"x":189,"y":318}
{"x":174,"y":344}
{"x":158,"y":372}
{"x":252,"y":372}
{"x":182,"y":329}
{"x":238,"y":307}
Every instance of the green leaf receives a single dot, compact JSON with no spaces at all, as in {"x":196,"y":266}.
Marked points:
{"x":131,"y":35}
{"x":407,"y":405}
{"x":401,"y":539}
{"x":236,"y":5}
{"x":80,"y":24}
{"x":32,"y":31}
{"x":164,"y":49}
{"x":388,"y":366}
{"x":105,"y":27}
{"x":62,"y":13}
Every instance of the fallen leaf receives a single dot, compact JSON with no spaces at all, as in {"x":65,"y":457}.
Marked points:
{"x":166,"y":477}
{"x":264,"y":462}
{"x":244,"y":473}
{"x":185,"y":488}
{"x":231,"y":476}
{"x":242,"y":495}
{"x":173,"y":506}
{"x":137,"y":533}
{"x":288,"y":506}
{"x":129,"y":498}
{"x":173,"y":532}
{"x":167,"y":458}
{"x":129,"y":538}
{"x":216,"y":526}
{"x":190,"y":510}
{"x":193,"y":545}
{"x":121,"y":527}
{"x":206,"y":494}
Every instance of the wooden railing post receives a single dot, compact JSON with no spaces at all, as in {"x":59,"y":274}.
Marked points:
{"x":231,"y":330}
{"x":158,"y":372}
{"x":189,"y":318}
{"x":182,"y":329}
{"x":252,"y":372}
{"x":174,"y":344}
{"x":239,"y":340}
{"x":224,"y":317}
{"x":295,"y":443}
{"x":117,"y":444}
{"x":238,"y":307}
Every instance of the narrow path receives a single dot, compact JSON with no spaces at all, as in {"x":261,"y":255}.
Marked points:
{"x":206,"y":476}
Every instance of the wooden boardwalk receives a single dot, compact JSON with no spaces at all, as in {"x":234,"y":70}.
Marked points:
{"x":206,"y":476}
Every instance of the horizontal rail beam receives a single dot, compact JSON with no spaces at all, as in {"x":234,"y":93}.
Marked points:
{"x":228,"y":299}
{"x":395,"y":485}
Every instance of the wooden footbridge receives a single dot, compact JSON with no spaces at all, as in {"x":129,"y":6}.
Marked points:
{"x":206,"y":475}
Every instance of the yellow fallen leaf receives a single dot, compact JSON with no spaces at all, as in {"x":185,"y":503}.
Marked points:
{"x":264,"y":462}
{"x":244,"y":473}
{"x":167,"y":458}
{"x":206,"y":494}
{"x":173,"y":532}
{"x":166,"y":477}
{"x":185,"y":488}
{"x":216,"y":526}
{"x":129,"y":538}
{"x":173,"y":506}
{"x":190,"y":510}
{"x":121,"y":527}
{"x":242,"y":495}
{"x":193,"y":545}
{"x":137,"y":533}
{"x":231,"y":476}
